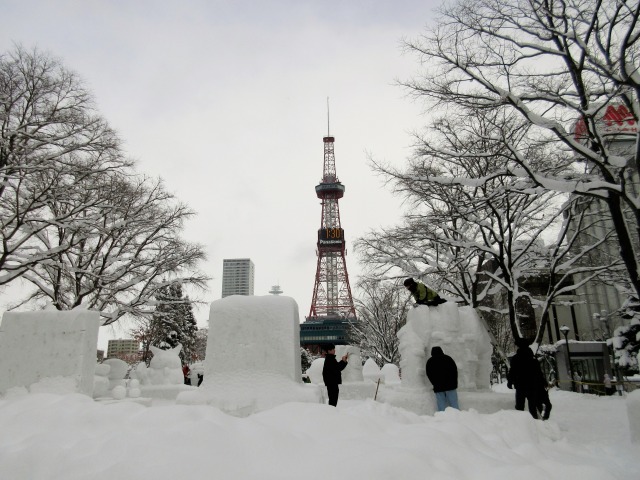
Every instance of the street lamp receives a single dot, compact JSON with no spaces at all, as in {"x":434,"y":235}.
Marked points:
{"x":565,"y":331}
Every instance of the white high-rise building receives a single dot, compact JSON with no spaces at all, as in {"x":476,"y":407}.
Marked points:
{"x":237,"y":276}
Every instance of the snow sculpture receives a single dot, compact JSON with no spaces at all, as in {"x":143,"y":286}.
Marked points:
{"x":315,"y":371}
{"x":353,"y":371}
{"x":45,"y":344}
{"x":134,"y":388}
{"x":119,"y":392}
{"x":165,"y":368}
{"x":390,"y":374}
{"x":117,"y":371}
{"x":462,"y":336}
{"x":371,"y":370}
{"x":253,"y":359}
{"x":101,"y":380}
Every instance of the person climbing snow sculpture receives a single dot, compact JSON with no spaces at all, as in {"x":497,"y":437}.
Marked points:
{"x":422,"y":294}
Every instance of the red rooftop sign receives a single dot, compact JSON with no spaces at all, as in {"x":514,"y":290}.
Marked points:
{"x":617,"y":119}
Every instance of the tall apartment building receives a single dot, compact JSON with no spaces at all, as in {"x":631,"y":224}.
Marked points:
{"x":122,"y":346}
{"x":237,"y":276}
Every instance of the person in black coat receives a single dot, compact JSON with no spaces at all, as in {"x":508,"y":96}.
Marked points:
{"x":442,"y":372}
{"x":525,"y":375}
{"x":331,"y":372}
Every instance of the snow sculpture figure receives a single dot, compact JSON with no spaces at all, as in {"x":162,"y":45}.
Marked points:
{"x":371,"y":371}
{"x":165,"y":368}
{"x":315,"y":371}
{"x":460,"y":332}
{"x":353,"y":370}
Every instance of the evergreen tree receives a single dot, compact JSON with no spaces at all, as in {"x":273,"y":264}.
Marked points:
{"x":173,"y":322}
{"x":626,"y":340}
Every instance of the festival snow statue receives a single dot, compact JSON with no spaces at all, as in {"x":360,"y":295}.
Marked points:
{"x":390,"y":374}
{"x":353,"y":371}
{"x":461,"y":334}
{"x":117,"y":371}
{"x":165,"y":368}
{"x":315,"y":371}
{"x":101,"y":380}
{"x":253,"y":359}
{"x":371,"y":371}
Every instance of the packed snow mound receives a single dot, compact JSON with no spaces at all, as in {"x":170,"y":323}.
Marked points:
{"x":253,"y":356}
{"x":53,"y":437}
{"x":461,"y":335}
{"x":36,"y":347}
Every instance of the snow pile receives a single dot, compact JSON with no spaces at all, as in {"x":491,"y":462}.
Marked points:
{"x":53,"y":349}
{"x":633,"y":412}
{"x":460,"y":333}
{"x":253,"y":356}
{"x":53,"y":437}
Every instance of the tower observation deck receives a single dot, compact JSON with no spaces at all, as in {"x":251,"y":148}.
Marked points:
{"x":332,"y":308}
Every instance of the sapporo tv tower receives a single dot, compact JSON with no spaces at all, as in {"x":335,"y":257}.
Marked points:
{"x":332,"y":308}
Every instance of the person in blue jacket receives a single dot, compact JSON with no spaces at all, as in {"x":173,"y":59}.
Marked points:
{"x":331,"y":372}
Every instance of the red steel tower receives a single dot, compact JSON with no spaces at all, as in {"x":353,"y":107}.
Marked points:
{"x":332,"y":298}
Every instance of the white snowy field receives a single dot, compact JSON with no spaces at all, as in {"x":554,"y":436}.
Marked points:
{"x":69,"y":437}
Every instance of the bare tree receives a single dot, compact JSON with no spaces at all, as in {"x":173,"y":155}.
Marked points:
{"x":119,"y":256}
{"x":382,"y":311}
{"x":51,"y":139}
{"x":475,"y":230}
{"x":556,"y":64}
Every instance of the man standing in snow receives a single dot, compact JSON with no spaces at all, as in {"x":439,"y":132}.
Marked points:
{"x":525,"y":375}
{"x":331,"y":372}
{"x":422,"y":294}
{"x":442,"y":372}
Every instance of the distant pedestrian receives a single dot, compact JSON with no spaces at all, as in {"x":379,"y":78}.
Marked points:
{"x":422,"y":294}
{"x":442,"y":372}
{"x":608,"y":386}
{"x":525,"y":375}
{"x":185,"y":374}
{"x":331,"y":372}
{"x":577,"y":380}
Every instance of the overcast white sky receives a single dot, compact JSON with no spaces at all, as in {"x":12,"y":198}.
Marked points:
{"x":226,"y":101}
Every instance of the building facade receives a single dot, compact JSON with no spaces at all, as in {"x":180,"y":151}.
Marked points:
{"x":122,"y":346}
{"x":238,"y":276}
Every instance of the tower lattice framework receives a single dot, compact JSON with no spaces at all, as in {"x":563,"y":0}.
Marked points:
{"x":331,"y":292}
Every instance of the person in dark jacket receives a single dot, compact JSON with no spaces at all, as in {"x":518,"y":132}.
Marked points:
{"x":525,"y":375}
{"x":442,"y":372}
{"x":422,"y":294}
{"x":331,"y":372}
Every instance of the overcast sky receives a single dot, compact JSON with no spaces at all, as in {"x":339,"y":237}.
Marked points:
{"x":226,"y":101}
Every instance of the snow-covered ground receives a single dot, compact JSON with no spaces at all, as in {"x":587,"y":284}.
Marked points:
{"x":69,"y":437}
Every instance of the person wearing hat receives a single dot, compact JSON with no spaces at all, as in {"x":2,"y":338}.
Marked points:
{"x":422,"y":294}
{"x":331,"y":372}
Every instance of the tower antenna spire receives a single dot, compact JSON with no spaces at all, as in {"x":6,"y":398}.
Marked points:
{"x":328,"y":130}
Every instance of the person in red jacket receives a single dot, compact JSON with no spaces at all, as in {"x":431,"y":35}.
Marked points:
{"x":331,"y":372}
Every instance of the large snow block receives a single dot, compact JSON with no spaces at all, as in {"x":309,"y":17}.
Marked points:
{"x":460,"y":333}
{"x":633,"y":412}
{"x":35,"y":346}
{"x":253,"y":356}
